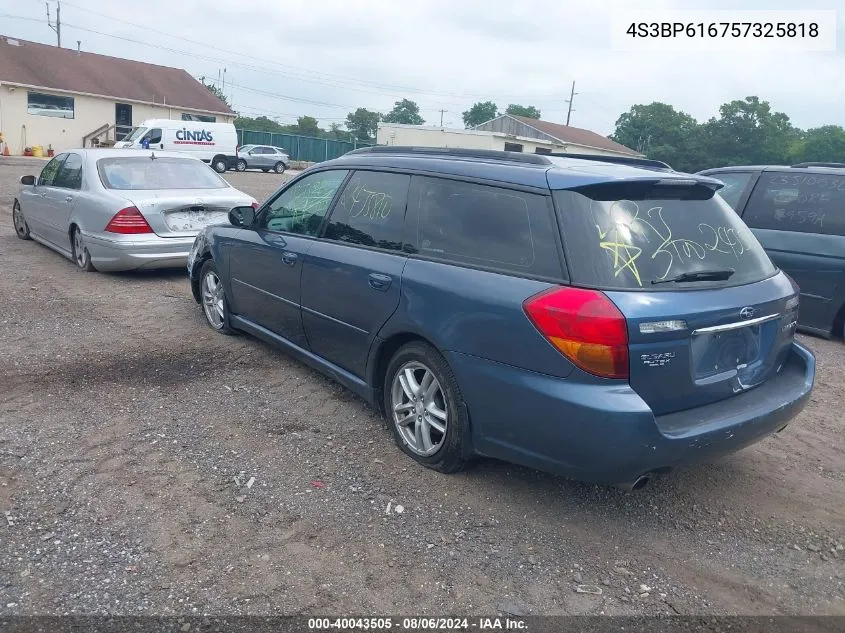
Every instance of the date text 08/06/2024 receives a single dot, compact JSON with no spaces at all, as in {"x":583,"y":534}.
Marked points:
{"x":417,"y":624}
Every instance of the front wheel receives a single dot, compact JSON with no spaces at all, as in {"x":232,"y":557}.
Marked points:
{"x":80,"y":252}
{"x":215,"y":306}
{"x":241,"y":165}
{"x":424,"y":408}
{"x":21,"y":227}
{"x":219,"y":164}
{"x":279,"y":167}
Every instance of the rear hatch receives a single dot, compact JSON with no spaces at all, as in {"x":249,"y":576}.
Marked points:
{"x":708,"y":315}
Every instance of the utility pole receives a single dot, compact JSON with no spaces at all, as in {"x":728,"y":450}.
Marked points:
{"x":569,"y":101}
{"x":441,"y":117}
{"x":57,"y":27}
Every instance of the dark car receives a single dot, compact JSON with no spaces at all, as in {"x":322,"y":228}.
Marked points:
{"x":599,"y":320}
{"x":798,"y":215}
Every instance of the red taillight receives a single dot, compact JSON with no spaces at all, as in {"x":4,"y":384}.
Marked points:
{"x":254,"y":204}
{"x":585,"y":326}
{"x":128,"y":221}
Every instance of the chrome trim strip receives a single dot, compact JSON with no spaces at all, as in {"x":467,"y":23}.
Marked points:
{"x":736,"y":325}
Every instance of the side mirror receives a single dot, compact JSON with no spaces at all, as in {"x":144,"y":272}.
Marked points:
{"x":242,"y":216}
{"x":28,"y":180}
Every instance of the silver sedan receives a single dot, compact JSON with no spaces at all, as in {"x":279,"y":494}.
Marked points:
{"x":110,"y":209}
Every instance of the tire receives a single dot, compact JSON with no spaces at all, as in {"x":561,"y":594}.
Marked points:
{"x":432,"y":439}
{"x":240,"y":165}
{"x":279,"y":167}
{"x":219,"y":164}
{"x":80,"y":253}
{"x":21,"y":227}
{"x":215,"y":304}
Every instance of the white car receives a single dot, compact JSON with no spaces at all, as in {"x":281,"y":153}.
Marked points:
{"x":110,"y":209}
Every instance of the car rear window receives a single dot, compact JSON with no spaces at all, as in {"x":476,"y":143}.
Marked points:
{"x":640,"y":236}
{"x":145,"y":173}
{"x":486,"y":226}
{"x":802,"y":202}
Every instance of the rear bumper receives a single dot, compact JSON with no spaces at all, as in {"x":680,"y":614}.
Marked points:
{"x":604,"y":432}
{"x":137,"y":252}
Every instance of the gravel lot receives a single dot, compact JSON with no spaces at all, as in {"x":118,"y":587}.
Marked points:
{"x":149,"y":465}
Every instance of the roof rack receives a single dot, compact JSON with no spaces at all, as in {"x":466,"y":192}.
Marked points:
{"x":835,"y":165}
{"x":620,"y":160}
{"x":515,"y":157}
{"x":488,"y":154}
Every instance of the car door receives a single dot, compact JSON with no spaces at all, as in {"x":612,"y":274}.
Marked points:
{"x":352,"y":276}
{"x":266,"y":157}
{"x":59,"y":200}
{"x":265,"y":263}
{"x":33,"y":200}
{"x":799,"y":218}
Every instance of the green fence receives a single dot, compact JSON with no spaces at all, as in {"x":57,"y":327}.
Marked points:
{"x":305,"y":148}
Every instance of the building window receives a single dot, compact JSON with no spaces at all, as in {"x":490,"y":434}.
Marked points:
{"x":542,"y":150}
{"x":513,"y":147}
{"x":199,"y":117}
{"x":49,"y":105}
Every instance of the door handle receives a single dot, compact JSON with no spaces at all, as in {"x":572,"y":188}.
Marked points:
{"x":68,"y":198}
{"x":380,"y":282}
{"x":290,"y":258}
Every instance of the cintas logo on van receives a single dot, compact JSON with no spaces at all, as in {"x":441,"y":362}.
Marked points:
{"x":193,"y":137}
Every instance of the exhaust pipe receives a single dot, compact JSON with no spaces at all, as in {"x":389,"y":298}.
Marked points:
{"x":637,"y":484}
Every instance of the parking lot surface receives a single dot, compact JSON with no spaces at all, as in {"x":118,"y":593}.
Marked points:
{"x":149,"y":465}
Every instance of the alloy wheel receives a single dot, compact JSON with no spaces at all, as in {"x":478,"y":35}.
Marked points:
{"x":212,"y":300}
{"x":419,"y":408}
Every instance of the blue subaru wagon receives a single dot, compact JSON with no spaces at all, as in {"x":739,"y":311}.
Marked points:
{"x":603,"y":318}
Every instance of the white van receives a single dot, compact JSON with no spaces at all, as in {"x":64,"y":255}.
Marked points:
{"x":214,"y":143}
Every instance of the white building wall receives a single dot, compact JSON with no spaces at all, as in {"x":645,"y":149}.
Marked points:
{"x":432,"y":136}
{"x":22,"y":129}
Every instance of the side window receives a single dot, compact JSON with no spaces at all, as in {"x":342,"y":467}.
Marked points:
{"x":154,"y":135}
{"x":735,"y":184}
{"x":798,"y":201}
{"x":486,"y":226}
{"x":371,"y":210}
{"x":301,"y":207}
{"x":51,"y":169}
{"x":70,"y":174}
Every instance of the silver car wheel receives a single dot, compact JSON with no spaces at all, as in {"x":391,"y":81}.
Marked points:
{"x":241,"y":165}
{"x":213,"y":296}
{"x":80,"y":253}
{"x":420,"y":412}
{"x":17,"y":218}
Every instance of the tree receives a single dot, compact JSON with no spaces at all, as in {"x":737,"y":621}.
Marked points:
{"x":363,"y":124}
{"x":258,"y":124}
{"x":747,"y":132}
{"x":520,"y":110}
{"x":661,"y":132}
{"x":337,"y":132}
{"x":308,"y":126}
{"x":480,"y":112}
{"x":217,"y":93}
{"x":406,"y":112}
{"x":821,"y":144}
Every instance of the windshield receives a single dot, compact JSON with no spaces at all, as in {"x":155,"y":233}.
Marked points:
{"x":143,"y":172}
{"x":629,"y":237}
{"x":138,"y":133}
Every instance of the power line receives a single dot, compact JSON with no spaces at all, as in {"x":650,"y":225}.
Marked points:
{"x":329,"y":79}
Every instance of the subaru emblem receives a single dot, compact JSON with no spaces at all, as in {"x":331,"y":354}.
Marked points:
{"x":746,"y":313}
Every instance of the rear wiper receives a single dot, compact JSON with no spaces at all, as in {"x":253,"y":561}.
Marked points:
{"x":702,"y":275}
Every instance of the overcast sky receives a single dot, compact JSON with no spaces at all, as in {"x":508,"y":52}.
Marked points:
{"x":325,"y":58}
